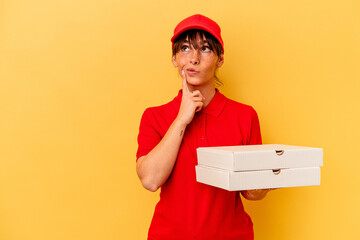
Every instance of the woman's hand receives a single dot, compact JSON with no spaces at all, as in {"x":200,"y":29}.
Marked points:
{"x":191,"y":102}
{"x":155,"y":168}
{"x":256,"y":194}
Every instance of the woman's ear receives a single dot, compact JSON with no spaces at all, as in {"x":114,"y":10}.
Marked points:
{"x":174,"y":61}
{"x":220,"y":61}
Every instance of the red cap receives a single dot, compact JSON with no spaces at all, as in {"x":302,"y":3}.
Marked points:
{"x":201,"y":22}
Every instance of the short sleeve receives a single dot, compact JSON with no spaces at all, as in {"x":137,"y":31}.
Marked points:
{"x":148,"y":137}
{"x":255,"y":134}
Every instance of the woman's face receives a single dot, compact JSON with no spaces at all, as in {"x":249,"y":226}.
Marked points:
{"x":199,"y":64}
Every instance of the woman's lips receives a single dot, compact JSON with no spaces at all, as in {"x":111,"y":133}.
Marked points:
{"x":192,"y":71}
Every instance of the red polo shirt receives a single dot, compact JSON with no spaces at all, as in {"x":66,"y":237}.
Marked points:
{"x":188,"y":209}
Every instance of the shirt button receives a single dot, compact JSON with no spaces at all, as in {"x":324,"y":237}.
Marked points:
{"x":202,"y":138}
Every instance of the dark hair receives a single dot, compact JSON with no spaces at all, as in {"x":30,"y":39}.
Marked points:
{"x":191,"y":36}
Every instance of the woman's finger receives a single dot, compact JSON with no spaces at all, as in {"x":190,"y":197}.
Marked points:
{"x":198,"y":99}
{"x":196,"y":93}
{"x":185,"y":87}
{"x":199,"y":106}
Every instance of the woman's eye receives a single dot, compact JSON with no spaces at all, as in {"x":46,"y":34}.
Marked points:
{"x":206,"y":49}
{"x":185,"y":48}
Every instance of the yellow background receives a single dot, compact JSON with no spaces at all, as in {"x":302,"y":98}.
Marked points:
{"x":76,"y":76}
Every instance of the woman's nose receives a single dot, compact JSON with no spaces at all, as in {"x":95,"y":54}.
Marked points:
{"x":194,"y":58}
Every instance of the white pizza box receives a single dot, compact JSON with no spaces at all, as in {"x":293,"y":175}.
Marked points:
{"x":258,"y":157}
{"x":263,"y":179}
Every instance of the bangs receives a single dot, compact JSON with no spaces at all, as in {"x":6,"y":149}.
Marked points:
{"x":191,"y":36}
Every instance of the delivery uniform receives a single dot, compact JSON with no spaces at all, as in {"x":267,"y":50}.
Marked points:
{"x":188,"y":209}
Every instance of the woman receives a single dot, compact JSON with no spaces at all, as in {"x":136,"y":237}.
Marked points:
{"x":198,"y":116}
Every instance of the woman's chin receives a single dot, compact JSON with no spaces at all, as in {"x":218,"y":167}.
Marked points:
{"x":196,"y":82}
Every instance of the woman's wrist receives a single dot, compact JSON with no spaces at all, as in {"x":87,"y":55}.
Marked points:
{"x":178,"y":122}
{"x":256,"y":194}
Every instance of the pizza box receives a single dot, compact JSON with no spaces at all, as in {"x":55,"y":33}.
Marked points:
{"x":262,"y":179}
{"x":237,"y":168}
{"x":257,"y":157}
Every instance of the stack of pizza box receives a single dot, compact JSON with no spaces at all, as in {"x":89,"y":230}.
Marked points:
{"x":237,"y":168}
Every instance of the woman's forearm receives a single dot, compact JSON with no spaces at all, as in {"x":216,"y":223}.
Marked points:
{"x":155,"y":168}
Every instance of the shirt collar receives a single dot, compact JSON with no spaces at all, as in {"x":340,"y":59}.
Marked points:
{"x":214,"y":108}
